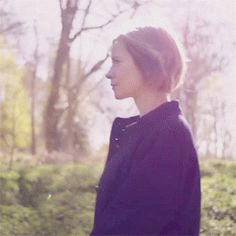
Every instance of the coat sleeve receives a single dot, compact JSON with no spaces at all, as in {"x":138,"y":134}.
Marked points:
{"x":149,"y":199}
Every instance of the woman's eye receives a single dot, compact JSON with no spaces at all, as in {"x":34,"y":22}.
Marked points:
{"x":115,"y":61}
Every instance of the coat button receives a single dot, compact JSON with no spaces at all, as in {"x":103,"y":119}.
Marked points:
{"x":96,"y":187}
{"x":116,"y":139}
{"x":117,"y":145}
{"x":123,"y":129}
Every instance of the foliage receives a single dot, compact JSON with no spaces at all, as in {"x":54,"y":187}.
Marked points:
{"x":9,"y":187}
{"x":48,"y":200}
{"x":59,"y":199}
{"x":14,"y":104}
{"x":219,"y":198}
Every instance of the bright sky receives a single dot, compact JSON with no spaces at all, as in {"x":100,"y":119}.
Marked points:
{"x":46,"y":14}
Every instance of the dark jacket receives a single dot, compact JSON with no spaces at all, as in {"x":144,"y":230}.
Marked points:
{"x":151,"y":182}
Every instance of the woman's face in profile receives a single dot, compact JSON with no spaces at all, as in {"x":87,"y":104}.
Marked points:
{"x":126,"y":78}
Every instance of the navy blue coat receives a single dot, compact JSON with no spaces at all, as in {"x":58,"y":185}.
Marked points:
{"x":151,"y":182}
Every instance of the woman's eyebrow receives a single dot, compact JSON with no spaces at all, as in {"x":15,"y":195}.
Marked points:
{"x":115,"y":57}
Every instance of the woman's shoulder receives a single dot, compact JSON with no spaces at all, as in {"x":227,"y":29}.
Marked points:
{"x":178,"y":123}
{"x":173,"y":132}
{"x":166,"y":119}
{"x":176,"y":127}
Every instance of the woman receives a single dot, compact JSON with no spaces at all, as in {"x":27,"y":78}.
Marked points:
{"x":151,"y":183}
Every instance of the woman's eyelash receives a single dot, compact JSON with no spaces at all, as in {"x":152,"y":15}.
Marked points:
{"x":115,"y":61}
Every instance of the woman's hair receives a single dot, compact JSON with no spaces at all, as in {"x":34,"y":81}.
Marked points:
{"x":157,"y":55}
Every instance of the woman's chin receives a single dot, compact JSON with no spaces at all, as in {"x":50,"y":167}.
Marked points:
{"x":118,"y":97}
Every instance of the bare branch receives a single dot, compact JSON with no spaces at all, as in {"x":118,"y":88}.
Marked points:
{"x":11,"y":27}
{"x":86,"y":13}
{"x":114,"y":17}
{"x":61,"y":8}
{"x":75,"y":89}
{"x":81,"y":99}
{"x":96,"y":67}
{"x":36,"y":51}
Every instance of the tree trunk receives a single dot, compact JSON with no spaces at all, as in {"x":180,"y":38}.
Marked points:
{"x":13,"y":134}
{"x":53,"y":112}
{"x":69,"y":122}
{"x":33,"y":137}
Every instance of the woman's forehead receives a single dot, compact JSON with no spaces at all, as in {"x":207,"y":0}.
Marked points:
{"x":118,"y":49}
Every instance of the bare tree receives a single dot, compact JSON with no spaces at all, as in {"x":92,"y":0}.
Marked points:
{"x":69,"y":10}
{"x":8,"y":25}
{"x":33,"y":92}
{"x":204,"y":59}
{"x":215,"y":127}
{"x":53,"y":114}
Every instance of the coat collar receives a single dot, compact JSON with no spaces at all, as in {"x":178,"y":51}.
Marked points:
{"x":162,"y":112}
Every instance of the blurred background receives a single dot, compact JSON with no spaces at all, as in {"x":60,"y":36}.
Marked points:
{"x":57,"y":107}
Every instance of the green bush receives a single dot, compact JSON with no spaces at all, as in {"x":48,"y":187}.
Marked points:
{"x":9,"y":187}
{"x":59,"y":200}
{"x":218,"y":198}
{"x":48,"y":200}
{"x":18,"y":220}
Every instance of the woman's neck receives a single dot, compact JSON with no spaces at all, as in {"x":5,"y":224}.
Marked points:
{"x":148,"y":101}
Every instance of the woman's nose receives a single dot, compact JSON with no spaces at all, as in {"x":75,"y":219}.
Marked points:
{"x":109,"y":74}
